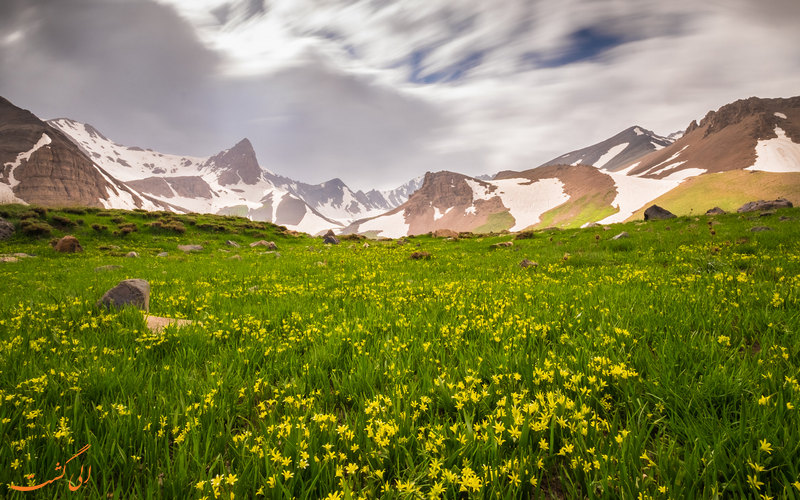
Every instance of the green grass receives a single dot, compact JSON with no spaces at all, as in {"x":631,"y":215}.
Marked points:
{"x":497,"y":222}
{"x":590,"y":208}
{"x":663,"y":365}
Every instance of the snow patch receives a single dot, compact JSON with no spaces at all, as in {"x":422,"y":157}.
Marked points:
{"x":634,"y":192}
{"x":438,"y":214}
{"x":666,"y":162}
{"x":479,"y":191}
{"x":779,"y":154}
{"x":780,"y":115}
{"x":638,"y":131}
{"x":390,"y":226}
{"x":657,"y":146}
{"x":610,"y":154}
{"x":527,"y":201}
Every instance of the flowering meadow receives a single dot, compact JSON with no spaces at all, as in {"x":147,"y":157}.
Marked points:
{"x":664,"y":364}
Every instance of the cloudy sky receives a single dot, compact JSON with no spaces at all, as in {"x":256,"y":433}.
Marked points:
{"x":378,"y":91}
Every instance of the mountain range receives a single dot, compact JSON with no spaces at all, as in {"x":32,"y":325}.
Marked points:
{"x":746,"y":150}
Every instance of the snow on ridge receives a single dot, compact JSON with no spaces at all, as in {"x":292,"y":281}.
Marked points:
{"x":479,"y":191}
{"x":656,"y":145}
{"x":390,"y":226}
{"x":638,"y":131}
{"x":527,"y":201}
{"x":779,"y":154}
{"x":780,"y":115}
{"x":634,"y":192}
{"x":666,"y":162}
{"x":25,"y":156}
{"x":611,"y":154}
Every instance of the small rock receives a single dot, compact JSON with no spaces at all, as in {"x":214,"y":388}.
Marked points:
{"x":8,"y":258}
{"x":621,"y":235}
{"x":420,"y":256}
{"x":157,"y":323}
{"x":754,"y":206}
{"x":365,"y":245}
{"x":162,"y":254}
{"x":759,"y":229}
{"x":107,"y":268}
{"x":716,"y":211}
{"x":68,"y":244}
{"x":253,"y":288}
{"x":132,"y":255}
{"x":502,"y":244}
{"x":24,"y":255}
{"x":6,"y":229}
{"x":235,"y":257}
{"x":767,"y":213}
{"x":654,"y":212}
{"x":134,"y":292}
{"x":528,"y":263}
{"x":233,"y":244}
{"x":445,"y":233}
{"x":190,"y":248}
{"x":263,"y":243}
{"x":330,"y":238}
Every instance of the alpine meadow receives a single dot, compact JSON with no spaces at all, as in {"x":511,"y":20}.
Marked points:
{"x":572,"y":363}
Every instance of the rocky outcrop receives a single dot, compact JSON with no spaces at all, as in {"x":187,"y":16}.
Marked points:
{"x":445,"y":233}
{"x":43,"y":166}
{"x":235,"y":165}
{"x":330,"y":238}
{"x":755,"y":206}
{"x":654,"y":212}
{"x":716,"y":211}
{"x":134,"y":292}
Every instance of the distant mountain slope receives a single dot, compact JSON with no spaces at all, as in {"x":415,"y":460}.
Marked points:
{"x":41,"y":165}
{"x":755,"y":134}
{"x":229,"y":181}
{"x":616,"y":152}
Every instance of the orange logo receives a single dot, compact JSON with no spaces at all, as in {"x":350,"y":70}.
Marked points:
{"x":63,"y":468}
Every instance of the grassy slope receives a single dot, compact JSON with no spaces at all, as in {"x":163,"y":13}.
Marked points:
{"x":727,"y":190}
{"x":660,"y":364}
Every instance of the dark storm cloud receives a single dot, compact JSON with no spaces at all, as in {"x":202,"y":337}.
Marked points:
{"x":133,"y":68}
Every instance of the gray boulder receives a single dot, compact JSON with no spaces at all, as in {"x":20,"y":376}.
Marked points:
{"x":6,"y":229}
{"x":623,"y":234}
{"x":755,"y":206}
{"x":330,"y":238}
{"x":133,"y":292}
{"x":716,"y":211}
{"x":654,"y":212}
{"x":233,"y":244}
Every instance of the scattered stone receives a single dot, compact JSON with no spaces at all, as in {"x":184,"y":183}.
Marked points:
{"x":365,"y":245}
{"x":591,"y":225}
{"x":6,"y":229}
{"x":235,"y":257}
{"x":445,"y":233}
{"x":716,"y":211}
{"x":233,"y":244}
{"x":132,"y":255}
{"x":621,"y":235}
{"x":134,"y":292}
{"x":68,"y":244}
{"x":754,"y":206}
{"x":157,"y":323}
{"x":106,"y":268}
{"x":263,"y":243}
{"x":654,"y":212}
{"x":330,"y":238}
{"x":420,"y":255}
{"x":190,"y":248}
{"x":402,"y":241}
{"x":8,"y":258}
{"x":767,"y":213}
{"x":24,"y":255}
{"x":528,"y":263}
{"x":162,"y":254}
{"x":253,"y":288}
{"x":759,"y":229}
{"x":502,"y":244}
